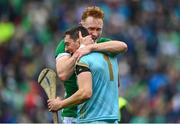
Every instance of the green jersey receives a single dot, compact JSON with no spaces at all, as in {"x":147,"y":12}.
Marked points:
{"x":70,"y":85}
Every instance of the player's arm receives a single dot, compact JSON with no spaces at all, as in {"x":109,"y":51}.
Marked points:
{"x":64,"y":62}
{"x":112,"y":46}
{"x":84,"y":92}
{"x":65,"y":66}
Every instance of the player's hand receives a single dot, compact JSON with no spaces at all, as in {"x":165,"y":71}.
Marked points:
{"x":54,"y":104}
{"x":83,"y":51}
{"x":85,"y":40}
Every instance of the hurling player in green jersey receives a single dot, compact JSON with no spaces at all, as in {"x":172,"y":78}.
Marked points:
{"x":92,"y":20}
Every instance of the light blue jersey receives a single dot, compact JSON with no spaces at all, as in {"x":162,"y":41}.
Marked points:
{"x":103,"y":105}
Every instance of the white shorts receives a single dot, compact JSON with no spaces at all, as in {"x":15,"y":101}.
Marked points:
{"x":69,"y":120}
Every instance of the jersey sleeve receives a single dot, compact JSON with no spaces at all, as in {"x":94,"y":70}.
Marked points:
{"x":82,"y":65}
{"x":60,"y":50}
{"x":102,"y":40}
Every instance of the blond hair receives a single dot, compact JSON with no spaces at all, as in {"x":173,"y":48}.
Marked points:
{"x":93,"y":11}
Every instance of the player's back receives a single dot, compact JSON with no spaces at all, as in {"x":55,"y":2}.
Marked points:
{"x":70,"y":85}
{"x":103,"y":105}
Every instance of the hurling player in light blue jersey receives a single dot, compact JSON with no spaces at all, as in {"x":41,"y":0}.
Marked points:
{"x":102,"y":72}
{"x":97,"y":78}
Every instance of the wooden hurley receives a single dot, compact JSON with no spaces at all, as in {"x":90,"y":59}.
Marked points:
{"x":47,"y":80}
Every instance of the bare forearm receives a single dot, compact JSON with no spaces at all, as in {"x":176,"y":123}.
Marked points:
{"x":84,"y":92}
{"x":111,"y":47}
{"x":77,"y":98}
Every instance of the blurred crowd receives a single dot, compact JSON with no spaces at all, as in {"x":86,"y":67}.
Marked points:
{"x":149,"y":72}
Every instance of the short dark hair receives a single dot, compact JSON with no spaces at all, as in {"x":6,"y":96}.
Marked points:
{"x":74,"y":32}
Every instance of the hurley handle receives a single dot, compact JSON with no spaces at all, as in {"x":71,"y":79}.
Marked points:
{"x":55,"y":117}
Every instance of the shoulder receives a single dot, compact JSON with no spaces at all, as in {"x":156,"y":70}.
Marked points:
{"x":60,"y":44}
{"x":91,"y":56}
{"x":60,"y":48}
{"x":103,"y":39}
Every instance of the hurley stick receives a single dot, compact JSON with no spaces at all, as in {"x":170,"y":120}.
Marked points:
{"x":47,"y":80}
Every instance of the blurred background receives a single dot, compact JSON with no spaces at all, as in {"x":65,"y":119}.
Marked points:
{"x":149,"y":72}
